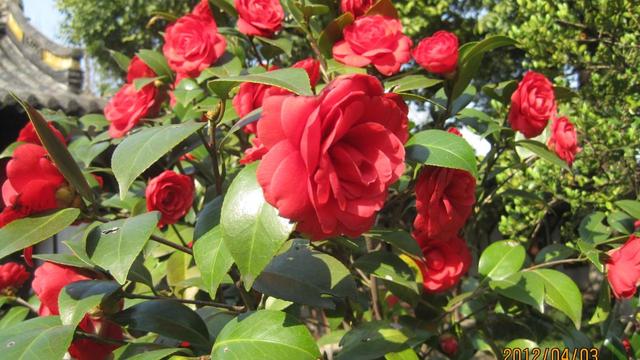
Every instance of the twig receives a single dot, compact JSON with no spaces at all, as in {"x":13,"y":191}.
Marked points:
{"x":373,"y":286}
{"x":21,"y":301}
{"x":232,"y":308}
{"x":212,"y":143}
{"x":168,"y":243}
{"x":554,"y":263}
{"x":175,"y":229}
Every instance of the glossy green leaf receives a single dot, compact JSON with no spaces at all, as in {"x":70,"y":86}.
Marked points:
{"x":487,"y":44}
{"x":501,"y":259}
{"x":23,"y":233}
{"x":292,"y":79}
{"x":522,"y":344}
{"x":226,"y":6}
{"x":406,"y":354}
{"x":215,"y":319}
{"x":603,"y":307}
{"x":78,"y":298}
{"x":167,"y":318}
{"x":631,"y":207}
{"x":227,"y":65}
{"x":332,"y":33}
{"x":139,"y":83}
{"x":375,"y":339}
{"x":58,"y":152}
{"x":187,"y":91}
{"x":543,"y":152}
{"x":121,"y":59}
{"x":156,"y":354}
{"x":621,"y":222}
{"x":592,"y":253}
{"x":139,"y":151}
{"x":213,"y":259}
{"x":440,"y":148}
{"x":267,"y":334}
{"x":592,"y":229}
{"x":561,"y":293}
{"x":554,"y":252}
{"x":115,"y":245}
{"x":411,"y":82}
{"x":251,"y":228}
{"x":157,"y":62}
{"x":390,"y":268}
{"x":281,"y":43}
{"x":8,"y":151}
{"x":41,"y":338}
{"x":523,"y":287}
{"x":14,"y":316}
{"x":466,"y":72}
{"x":501,"y":92}
{"x":64,"y":259}
{"x":398,"y":238}
{"x":96,"y":121}
{"x":208,"y":218}
{"x":304,"y":276}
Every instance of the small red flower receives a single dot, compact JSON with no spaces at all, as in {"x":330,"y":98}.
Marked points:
{"x":564,"y":139}
{"x":12,"y":276}
{"x":171,"y":194}
{"x":439,"y":53}
{"x":259,"y":17}
{"x":532,"y":105}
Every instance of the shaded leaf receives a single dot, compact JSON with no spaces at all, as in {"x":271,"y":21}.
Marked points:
{"x":213,"y":259}
{"x":78,"y":298}
{"x":561,"y":293}
{"x":41,"y":338}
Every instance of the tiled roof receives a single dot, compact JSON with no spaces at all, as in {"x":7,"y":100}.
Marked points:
{"x":36,"y":69}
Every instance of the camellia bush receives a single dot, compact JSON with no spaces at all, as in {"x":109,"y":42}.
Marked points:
{"x":264,"y":192}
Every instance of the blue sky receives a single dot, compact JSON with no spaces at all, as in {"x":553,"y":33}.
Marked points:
{"x":45,"y":17}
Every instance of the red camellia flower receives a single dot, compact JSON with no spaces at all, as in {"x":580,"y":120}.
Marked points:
{"x":331,"y":158}
{"x":446,"y":261}
{"x":439,"y":53}
{"x":49,"y":279}
{"x":312,"y":67}
{"x":254,"y":153}
{"x":192,"y":43}
{"x":138,"y":69}
{"x":449,"y":344}
{"x":356,"y":7}
{"x":376,"y":40}
{"x":12,"y":276}
{"x":623,"y":268}
{"x":532,"y":104}
{"x":171,"y":194}
{"x":564,"y":139}
{"x":259,"y":17}
{"x":444,"y":200}
{"x":28,"y":134}
{"x":249,"y":97}
{"x":128,"y":106}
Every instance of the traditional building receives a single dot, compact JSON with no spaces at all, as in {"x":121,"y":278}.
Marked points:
{"x":39,"y":71}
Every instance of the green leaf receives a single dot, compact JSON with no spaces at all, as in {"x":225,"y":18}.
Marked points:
{"x":273,"y":334}
{"x":554,"y":252}
{"x":58,"y":152}
{"x":561,"y":293}
{"x":23,"y":233}
{"x":14,"y":316}
{"x":292,"y":79}
{"x":391,"y":269}
{"x":78,"y":298}
{"x":306,"y":277}
{"x":332,"y":33}
{"x":139,"y":83}
{"x":250,"y":118}
{"x":592,"y":230}
{"x":466,"y":72}
{"x":208,"y":218}
{"x":523,"y":287}
{"x":215,"y":319}
{"x":501,"y":92}
{"x":406,"y":354}
{"x":167,"y":318}
{"x":115,"y":245}
{"x":139,"y":151}
{"x":96,"y":121}
{"x":375,"y":339}
{"x":8,"y":151}
{"x":156,"y":354}
{"x":488,"y":44}
{"x":603,"y":308}
{"x":501,"y":259}
{"x":522,"y":344}
{"x":411,"y":82}
{"x":398,"y":238}
{"x":213,"y":259}
{"x":591,"y":252}
{"x":384,"y":8}
{"x":440,"y":148}
{"x":563,"y":93}
{"x":64,"y":259}
{"x":227,"y":65}
{"x":226,"y":6}
{"x":41,"y":338}
{"x":543,"y":152}
{"x":281,"y":43}
{"x":621,"y":222}
{"x":157,"y":62}
{"x":187,"y":91}
{"x":121,"y":59}
{"x":251,"y":228}
{"x":631,"y":207}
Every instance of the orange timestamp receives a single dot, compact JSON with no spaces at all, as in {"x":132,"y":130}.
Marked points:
{"x":550,"y":354}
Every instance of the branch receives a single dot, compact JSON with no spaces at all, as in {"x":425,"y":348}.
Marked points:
{"x":232,"y":308}
{"x":373,"y":286}
{"x":554,"y":263}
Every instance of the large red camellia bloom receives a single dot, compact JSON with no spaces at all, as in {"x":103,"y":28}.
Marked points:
{"x":12,"y":276}
{"x":259,"y":17}
{"x":49,"y":279}
{"x":374,"y":40}
{"x":192,"y":43}
{"x":439,"y":53}
{"x":356,"y":7}
{"x":331,"y":158}
{"x":28,"y":134}
{"x":444,"y":200}
{"x":138,"y":69}
{"x":128,"y":106}
{"x":171,"y":194}
{"x":564,"y":139}
{"x":532,"y":104}
{"x":623,"y":268}
{"x":446,"y":261}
